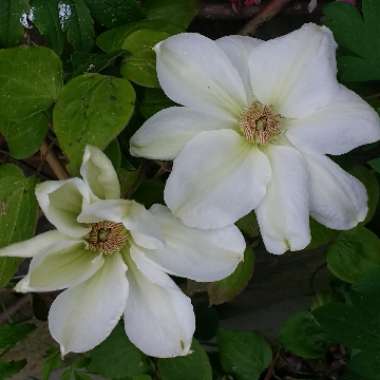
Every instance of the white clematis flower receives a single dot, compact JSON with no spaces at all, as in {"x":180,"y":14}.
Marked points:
{"x":257,"y":122}
{"x":114,"y":257}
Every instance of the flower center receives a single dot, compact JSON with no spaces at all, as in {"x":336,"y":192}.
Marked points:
{"x":259,"y":124}
{"x":107,"y":237}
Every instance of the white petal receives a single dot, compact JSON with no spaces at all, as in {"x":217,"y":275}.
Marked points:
{"x":195,"y":72}
{"x":61,"y":202}
{"x":143,"y":227}
{"x":164,"y":135}
{"x":113,"y":210}
{"x":82,"y":317}
{"x":283,"y":215}
{"x":346,"y":123}
{"x":99,"y":174}
{"x":35,"y":246}
{"x":217,"y":178}
{"x":202,"y":255}
{"x":68,"y":265}
{"x":238,"y":50}
{"x":296,"y":73}
{"x":338,"y":200}
{"x":159,"y":318}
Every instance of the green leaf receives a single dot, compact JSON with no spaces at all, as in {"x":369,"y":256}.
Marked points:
{"x":24,"y":137}
{"x":195,"y":366}
{"x":228,"y":288}
{"x":113,"y":151}
{"x":91,"y":109}
{"x":117,"y":357}
{"x":153,"y":100}
{"x":10,"y":334}
{"x":11,"y":29}
{"x":375,"y":164}
{"x":358,"y":34}
{"x":320,"y":235}
{"x":248,"y":225}
{"x":243,"y":354}
{"x":51,"y":362}
{"x":111,"y":13}
{"x":149,"y":192}
{"x":302,"y":336}
{"x":30,"y":80}
{"x":140,"y":67}
{"x":366,"y":365}
{"x":112,"y":40}
{"x":8,"y":369}
{"x":79,"y":25}
{"x":46,"y":19}
{"x":18,"y":214}
{"x":353,"y":254}
{"x":368,"y":178}
{"x":356,"y":326}
{"x":180,"y":12}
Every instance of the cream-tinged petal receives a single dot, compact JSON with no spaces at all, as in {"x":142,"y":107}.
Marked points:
{"x":159,"y":318}
{"x":164,"y":135}
{"x":68,"y":265}
{"x":238,"y":50}
{"x":195,"y":72}
{"x":296,"y":73}
{"x":62,"y":202}
{"x":217,"y":178}
{"x":344,"y":124}
{"x":40,"y":244}
{"x":82,"y":317}
{"x":338,"y":200}
{"x":201,"y":255}
{"x":283,"y":215}
{"x":113,"y":210}
{"x":99,"y":174}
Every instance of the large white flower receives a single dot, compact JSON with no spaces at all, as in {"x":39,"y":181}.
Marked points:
{"x":257,"y":122}
{"x":114,"y":257}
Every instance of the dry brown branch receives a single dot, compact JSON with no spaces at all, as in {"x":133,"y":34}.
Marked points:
{"x":19,"y":304}
{"x":48,"y":155}
{"x":267,"y":12}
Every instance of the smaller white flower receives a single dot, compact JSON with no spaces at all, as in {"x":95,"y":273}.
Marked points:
{"x":114,"y":256}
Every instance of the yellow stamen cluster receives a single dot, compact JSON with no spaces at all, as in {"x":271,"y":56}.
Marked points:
{"x":259,"y":124}
{"x":107,"y":237}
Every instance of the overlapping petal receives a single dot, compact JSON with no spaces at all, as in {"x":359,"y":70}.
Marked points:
{"x":83,"y":316}
{"x":159,"y":318}
{"x":283,"y":215}
{"x":99,"y":174}
{"x":164,"y":135}
{"x":295,"y":73}
{"x":238,"y":50}
{"x":62,"y":202}
{"x":337,"y":199}
{"x":194,"y":72}
{"x":217,"y":178}
{"x":201,"y":255}
{"x":67,"y":266}
{"x":42,"y":243}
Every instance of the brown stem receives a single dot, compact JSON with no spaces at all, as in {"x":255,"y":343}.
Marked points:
{"x":56,"y":166}
{"x":19,"y":304}
{"x":270,"y":10}
{"x":225,"y":12}
{"x":269,"y":373}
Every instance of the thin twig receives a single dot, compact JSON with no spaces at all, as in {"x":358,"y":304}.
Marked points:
{"x":266,"y":13}
{"x":56,"y":166}
{"x":269,"y":373}
{"x":19,"y":304}
{"x":225,"y":12}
